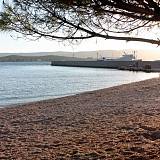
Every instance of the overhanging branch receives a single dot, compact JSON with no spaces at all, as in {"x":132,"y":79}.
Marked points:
{"x":108,"y":19}
{"x":152,"y":41}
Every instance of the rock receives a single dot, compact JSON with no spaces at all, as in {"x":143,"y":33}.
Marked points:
{"x":137,"y":149}
{"x":136,"y":157}
{"x":155,"y":135}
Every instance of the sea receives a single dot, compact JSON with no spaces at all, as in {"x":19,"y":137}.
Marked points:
{"x":22,"y":82}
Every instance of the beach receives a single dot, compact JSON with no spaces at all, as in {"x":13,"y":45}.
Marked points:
{"x":117,"y":123}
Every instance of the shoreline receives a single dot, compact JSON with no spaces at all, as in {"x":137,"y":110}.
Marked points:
{"x":69,"y":95}
{"x":120,"y":122}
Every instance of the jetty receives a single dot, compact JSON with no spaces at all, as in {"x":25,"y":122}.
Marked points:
{"x":137,"y":65}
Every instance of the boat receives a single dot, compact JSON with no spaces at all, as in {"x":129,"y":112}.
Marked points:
{"x":124,"y":57}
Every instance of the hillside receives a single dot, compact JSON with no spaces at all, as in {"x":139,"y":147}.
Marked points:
{"x":60,"y":55}
{"x":18,"y":58}
{"x":80,"y":54}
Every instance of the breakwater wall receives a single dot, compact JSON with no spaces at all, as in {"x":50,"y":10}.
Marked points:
{"x":155,"y":65}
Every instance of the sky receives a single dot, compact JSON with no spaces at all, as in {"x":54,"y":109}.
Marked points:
{"x":9,"y":43}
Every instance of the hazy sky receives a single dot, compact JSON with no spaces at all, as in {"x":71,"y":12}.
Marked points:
{"x":12,"y":44}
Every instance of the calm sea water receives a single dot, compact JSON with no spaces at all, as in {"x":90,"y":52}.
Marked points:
{"x":25,"y":82}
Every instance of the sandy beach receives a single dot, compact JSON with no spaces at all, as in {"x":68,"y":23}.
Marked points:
{"x":118,"y":123}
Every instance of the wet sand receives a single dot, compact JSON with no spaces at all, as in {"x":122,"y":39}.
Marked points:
{"x":118,"y":123}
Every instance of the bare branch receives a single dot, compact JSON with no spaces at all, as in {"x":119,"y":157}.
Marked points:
{"x":76,"y":20}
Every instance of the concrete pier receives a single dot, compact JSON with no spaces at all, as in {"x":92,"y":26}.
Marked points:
{"x":146,"y":66}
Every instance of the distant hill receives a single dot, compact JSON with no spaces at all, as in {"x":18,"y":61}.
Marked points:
{"x":18,"y":58}
{"x":81,"y":54}
{"x":60,"y":55}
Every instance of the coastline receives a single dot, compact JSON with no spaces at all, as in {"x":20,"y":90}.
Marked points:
{"x":120,"y":122}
